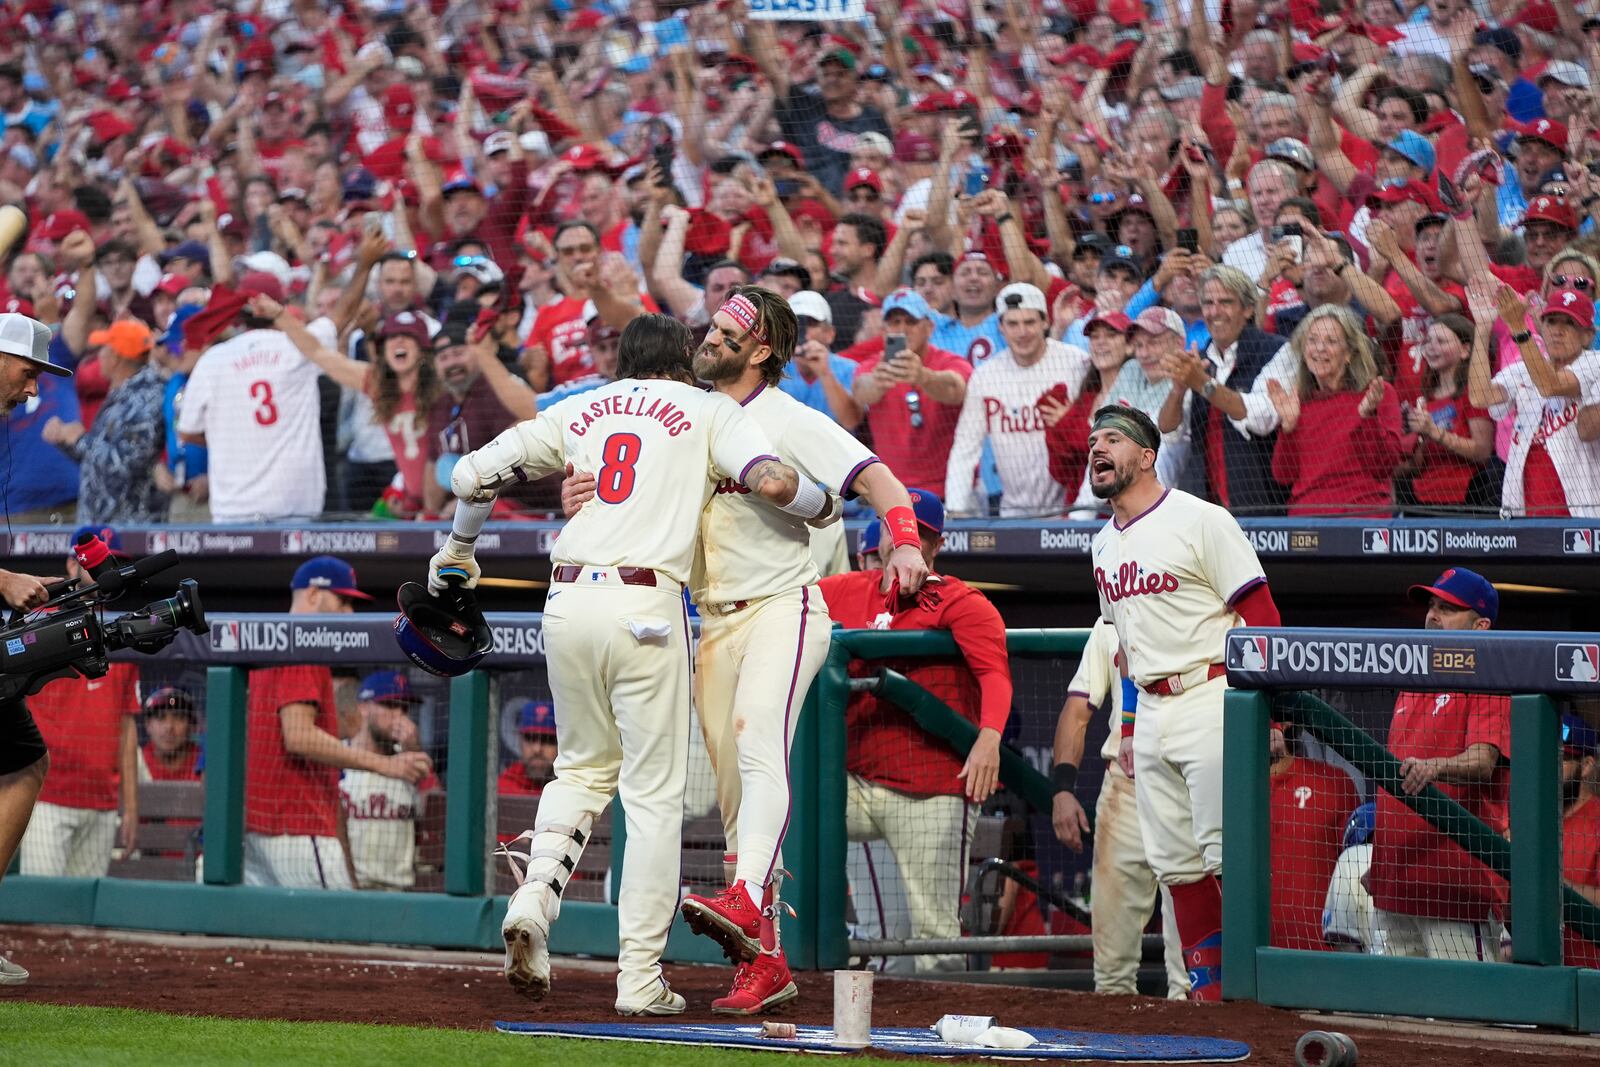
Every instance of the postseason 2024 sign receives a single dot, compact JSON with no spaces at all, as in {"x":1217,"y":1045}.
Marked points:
{"x":1468,"y":661}
{"x":808,"y":10}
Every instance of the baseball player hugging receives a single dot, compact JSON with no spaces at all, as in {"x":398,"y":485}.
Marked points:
{"x":1174,"y":574}
{"x":764,"y":630}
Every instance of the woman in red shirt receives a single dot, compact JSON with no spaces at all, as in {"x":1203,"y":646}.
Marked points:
{"x":1339,"y":438}
{"x":1067,"y":426}
{"x":1454,"y":438}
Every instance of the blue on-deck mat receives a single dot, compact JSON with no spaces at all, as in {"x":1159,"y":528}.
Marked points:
{"x":1053,"y":1044}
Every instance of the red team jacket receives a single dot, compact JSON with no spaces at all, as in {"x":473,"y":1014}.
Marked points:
{"x":1416,"y":870}
{"x":885,"y":745}
{"x":1580,"y":865}
{"x":285,"y":794}
{"x":514,"y":781}
{"x":81,"y":721}
{"x":1311,"y":802}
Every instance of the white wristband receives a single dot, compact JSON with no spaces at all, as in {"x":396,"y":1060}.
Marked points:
{"x":808,"y":502}
{"x":470,"y":517}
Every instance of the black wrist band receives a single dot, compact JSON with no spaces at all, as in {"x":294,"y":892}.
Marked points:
{"x":1523,"y":337}
{"x":1001,"y":220}
{"x":1064,"y":777}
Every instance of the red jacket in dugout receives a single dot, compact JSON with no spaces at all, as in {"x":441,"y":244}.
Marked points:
{"x":885,"y":745}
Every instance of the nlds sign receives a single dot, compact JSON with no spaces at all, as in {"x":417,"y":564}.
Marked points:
{"x":1382,"y":541}
{"x":237,"y":635}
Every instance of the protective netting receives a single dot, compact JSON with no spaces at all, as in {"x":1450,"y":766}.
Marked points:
{"x":925,"y":864}
{"x":1343,"y":277}
{"x":1365,"y":864}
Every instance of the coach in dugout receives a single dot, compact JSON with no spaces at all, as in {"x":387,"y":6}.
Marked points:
{"x":24,"y":355}
{"x":1432,"y":898}
{"x":905,"y":787}
{"x":291,"y":790}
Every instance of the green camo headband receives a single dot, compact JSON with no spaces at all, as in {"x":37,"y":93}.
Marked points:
{"x":1120,"y":419}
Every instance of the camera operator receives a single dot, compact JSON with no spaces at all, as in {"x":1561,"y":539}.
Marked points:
{"x":24,"y":355}
{"x":91,"y":725}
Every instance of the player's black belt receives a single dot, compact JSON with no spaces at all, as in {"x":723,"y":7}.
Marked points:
{"x":1169,"y":687}
{"x":568,"y":573}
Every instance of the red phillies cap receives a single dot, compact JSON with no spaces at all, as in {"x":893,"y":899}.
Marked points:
{"x":259,"y":281}
{"x":1403,"y":190}
{"x":587,"y":19}
{"x":399,"y":104}
{"x":1115,"y":319}
{"x":15,"y":305}
{"x":108,"y":126}
{"x":1549,"y":131}
{"x":585,"y":157}
{"x":172,"y":284}
{"x":405,"y":324}
{"x":863,"y":176}
{"x":1571,"y":303}
{"x":58,"y":224}
{"x":1537,"y":16}
{"x":931,"y":103}
{"x":1552,"y":209}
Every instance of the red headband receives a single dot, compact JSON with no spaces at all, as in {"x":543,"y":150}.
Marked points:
{"x":743,"y":311}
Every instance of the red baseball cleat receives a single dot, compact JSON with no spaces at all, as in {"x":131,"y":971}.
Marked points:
{"x":757,"y":986}
{"x":731,"y":919}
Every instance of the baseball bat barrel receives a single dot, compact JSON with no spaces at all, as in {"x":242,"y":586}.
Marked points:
{"x":13,"y":220}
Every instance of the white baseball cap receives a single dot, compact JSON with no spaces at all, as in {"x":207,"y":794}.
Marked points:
{"x":498,"y":141}
{"x":1157,"y":320}
{"x":28,"y":339}
{"x":1021,"y":295}
{"x":812,"y":306}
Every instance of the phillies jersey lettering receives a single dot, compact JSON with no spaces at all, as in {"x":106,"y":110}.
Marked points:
{"x":1551,"y":424}
{"x":1167,"y":581}
{"x":1132,"y":580}
{"x":1002,"y":407}
{"x":662,"y":411}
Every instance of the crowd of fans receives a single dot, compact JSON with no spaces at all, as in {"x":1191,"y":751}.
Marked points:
{"x":1344,"y":254}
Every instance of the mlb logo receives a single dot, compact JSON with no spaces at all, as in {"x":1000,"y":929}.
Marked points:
{"x":294,"y":542}
{"x":597,"y":576}
{"x":156,"y":541}
{"x":1577,"y":542}
{"x":22,"y":543}
{"x":1375,"y":542}
{"x":225,"y":636}
{"x":1578,"y":663}
{"x":1247,"y":653}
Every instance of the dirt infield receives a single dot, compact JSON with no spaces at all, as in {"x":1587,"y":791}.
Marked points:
{"x":204,"y":976}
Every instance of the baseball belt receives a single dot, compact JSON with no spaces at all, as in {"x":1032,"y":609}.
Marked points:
{"x":568,"y":572}
{"x":1171,"y":687}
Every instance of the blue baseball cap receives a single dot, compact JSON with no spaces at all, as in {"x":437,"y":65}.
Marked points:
{"x":869,"y":537}
{"x":387,"y":687}
{"x":330,"y":573}
{"x":929,"y":509}
{"x":534,"y":716}
{"x":910,"y":301}
{"x":1414,"y":147}
{"x":1464,"y":589}
{"x":360,"y":184}
{"x":187,"y":250}
{"x":107,"y":534}
{"x":173,"y":338}
{"x":1578,"y":738}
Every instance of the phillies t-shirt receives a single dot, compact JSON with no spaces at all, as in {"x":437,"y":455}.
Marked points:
{"x":514,"y":781}
{"x":1580,"y":866}
{"x":1311,"y":802}
{"x":886,"y":744}
{"x":406,"y":430}
{"x":1416,"y":870}
{"x":1414,"y":322}
{"x":560,"y":328}
{"x":1444,"y":476}
{"x":912,"y":432}
{"x":81,"y":722}
{"x":186,"y":770}
{"x":286,"y":794}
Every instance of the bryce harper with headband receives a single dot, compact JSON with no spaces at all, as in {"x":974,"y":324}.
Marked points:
{"x":1174,"y":574}
{"x":764,"y":629}
{"x":618,"y":646}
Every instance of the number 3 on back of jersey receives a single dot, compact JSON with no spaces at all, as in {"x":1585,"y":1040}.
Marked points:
{"x":614,"y":483}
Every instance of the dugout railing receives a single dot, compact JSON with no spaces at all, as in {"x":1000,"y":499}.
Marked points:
{"x":463,"y":910}
{"x":1270,"y":672}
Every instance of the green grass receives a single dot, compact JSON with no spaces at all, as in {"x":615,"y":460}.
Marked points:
{"x":44,"y":1035}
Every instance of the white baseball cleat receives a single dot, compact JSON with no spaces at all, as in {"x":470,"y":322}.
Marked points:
{"x":11,"y":974}
{"x":527,"y":936}
{"x":666,"y":1003}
